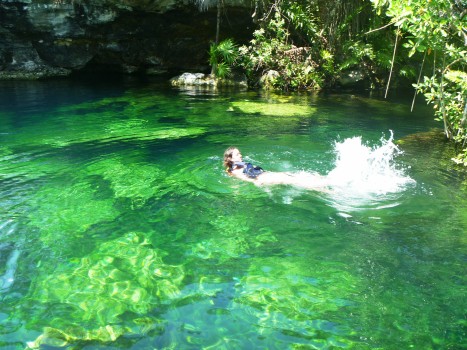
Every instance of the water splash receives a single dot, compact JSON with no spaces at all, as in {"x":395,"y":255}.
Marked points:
{"x":366,"y":175}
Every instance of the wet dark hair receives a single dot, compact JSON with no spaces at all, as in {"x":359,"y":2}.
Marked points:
{"x":228,"y":158}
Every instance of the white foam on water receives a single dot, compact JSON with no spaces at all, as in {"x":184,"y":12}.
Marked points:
{"x":366,"y":175}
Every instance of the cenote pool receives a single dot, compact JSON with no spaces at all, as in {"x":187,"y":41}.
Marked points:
{"x":119,"y":228}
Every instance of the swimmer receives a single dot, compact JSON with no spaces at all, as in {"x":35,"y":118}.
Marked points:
{"x":235,"y":166}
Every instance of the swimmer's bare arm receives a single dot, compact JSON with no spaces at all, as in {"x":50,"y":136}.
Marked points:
{"x":266,"y":178}
{"x":304,"y":180}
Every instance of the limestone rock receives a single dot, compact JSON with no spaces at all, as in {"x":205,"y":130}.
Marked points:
{"x":48,"y":38}
{"x":351,"y":78}
{"x":208,"y":80}
{"x":268,"y":79}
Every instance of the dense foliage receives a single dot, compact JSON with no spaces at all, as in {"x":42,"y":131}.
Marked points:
{"x":287,"y":51}
{"x":312,"y":44}
{"x":286,"y":65}
{"x":438,"y":29}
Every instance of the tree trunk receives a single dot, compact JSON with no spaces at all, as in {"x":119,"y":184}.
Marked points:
{"x":216,"y":42}
{"x":218,"y":24}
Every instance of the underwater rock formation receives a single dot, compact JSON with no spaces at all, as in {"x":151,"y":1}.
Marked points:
{"x":55,"y":38}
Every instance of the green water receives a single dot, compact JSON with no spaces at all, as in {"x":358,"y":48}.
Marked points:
{"x":119,"y":228}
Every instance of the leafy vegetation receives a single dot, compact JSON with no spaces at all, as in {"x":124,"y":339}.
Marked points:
{"x":222,"y":57}
{"x":281,"y":64}
{"x":437,"y":29}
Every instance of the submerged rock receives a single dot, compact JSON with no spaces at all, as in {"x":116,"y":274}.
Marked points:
{"x":432,"y":150}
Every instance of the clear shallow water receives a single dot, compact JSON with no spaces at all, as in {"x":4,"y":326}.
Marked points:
{"x":119,"y":228}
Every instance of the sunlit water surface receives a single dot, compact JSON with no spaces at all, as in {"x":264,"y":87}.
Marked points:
{"x":119,"y":228}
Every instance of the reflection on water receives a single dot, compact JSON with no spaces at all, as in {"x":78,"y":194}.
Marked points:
{"x":120,"y":229}
{"x":8,"y":277}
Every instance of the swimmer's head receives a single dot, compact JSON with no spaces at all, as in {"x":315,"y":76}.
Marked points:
{"x":232,"y":155}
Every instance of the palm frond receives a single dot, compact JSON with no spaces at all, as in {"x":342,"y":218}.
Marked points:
{"x":228,"y":51}
{"x":223,"y":70}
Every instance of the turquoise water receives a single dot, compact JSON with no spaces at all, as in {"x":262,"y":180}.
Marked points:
{"x":119,"y":228}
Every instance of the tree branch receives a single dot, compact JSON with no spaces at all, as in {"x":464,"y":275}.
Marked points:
{"x":392,"y":62}
{"x":381,"y":28}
